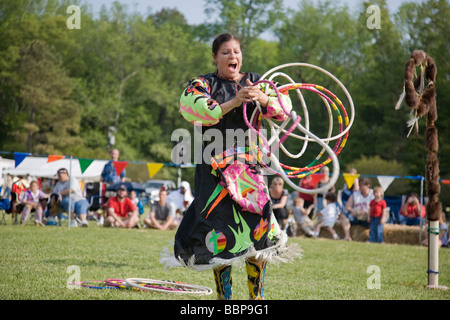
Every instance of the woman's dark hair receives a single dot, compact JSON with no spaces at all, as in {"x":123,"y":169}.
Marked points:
{"x":222,"y":38}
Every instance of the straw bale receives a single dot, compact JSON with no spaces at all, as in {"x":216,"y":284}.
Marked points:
{"x":393,"y":233}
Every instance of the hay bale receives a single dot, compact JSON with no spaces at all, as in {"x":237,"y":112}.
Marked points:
{"x":393,"y":233}
{"x":400,"y":234}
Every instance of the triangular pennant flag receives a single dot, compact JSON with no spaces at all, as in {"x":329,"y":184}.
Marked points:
{"x":385,"y":181}
{"x":84,"y":164}
{"x":316,"y":178}
{"x":446,"y":181}
{"x":52,"y":158}
{"x":119,"y":165}
{"x":350,"y":179}
{"x":19,"y":157}
{"x":153,"y":168}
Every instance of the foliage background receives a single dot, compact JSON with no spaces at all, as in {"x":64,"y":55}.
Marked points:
{"x":61,"y":89}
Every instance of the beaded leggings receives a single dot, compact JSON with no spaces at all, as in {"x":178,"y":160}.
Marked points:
{"x":255,"y":278}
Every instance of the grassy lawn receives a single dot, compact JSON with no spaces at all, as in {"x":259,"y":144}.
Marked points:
{"x":34,"y":263}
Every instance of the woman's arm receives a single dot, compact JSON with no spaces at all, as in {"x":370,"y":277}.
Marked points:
{"x":197,"y":106}
{"x":273,"y":108}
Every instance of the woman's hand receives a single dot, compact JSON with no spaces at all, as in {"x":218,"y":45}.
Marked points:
{"x":246,"y":94}
{"x":253,"y":93}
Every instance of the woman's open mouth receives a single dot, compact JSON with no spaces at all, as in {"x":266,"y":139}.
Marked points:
{"x":232,"y":67}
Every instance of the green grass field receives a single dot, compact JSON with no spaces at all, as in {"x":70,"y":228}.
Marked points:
{"x":35,"y":260}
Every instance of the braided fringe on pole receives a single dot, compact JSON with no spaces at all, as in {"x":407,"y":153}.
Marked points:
{"x":419,"y":93}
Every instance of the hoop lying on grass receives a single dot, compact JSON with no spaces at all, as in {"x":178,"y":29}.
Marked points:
{"x":140,"y":284}
{"x":166,"y":286}
{"x":94,"y":284}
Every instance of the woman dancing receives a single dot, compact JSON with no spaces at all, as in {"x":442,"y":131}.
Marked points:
{"x":231,"y":217}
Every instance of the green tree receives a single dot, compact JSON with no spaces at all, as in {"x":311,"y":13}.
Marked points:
{"x":425,"y":27}
{"x":51,"y":117}
{"x":246,"y":18}
{"x":324,"y":35}
{"x":378,"y":87}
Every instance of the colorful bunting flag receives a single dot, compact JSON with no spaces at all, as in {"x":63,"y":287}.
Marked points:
{"x":52,"y":158}
{"x":84,"y":164}
{"x":317,"y":177}
{"x":153,"y":168}
{"x":385,"y":181}
{"x":19,"y":157}
{"x":446,"y":181}
{"x":119,"y":166}
{"x":350,"y":179}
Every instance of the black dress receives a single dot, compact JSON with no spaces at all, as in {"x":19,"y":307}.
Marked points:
{"x":215,"y":229}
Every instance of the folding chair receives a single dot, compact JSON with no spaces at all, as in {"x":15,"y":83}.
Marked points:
{"x":53,"y":211}
{"x":5,"y":208}
{"x":31,"y":216}
{"x":94,"y":192}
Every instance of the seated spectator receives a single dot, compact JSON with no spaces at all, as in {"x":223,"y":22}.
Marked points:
{"x":181,"y":198}
{"x":308,"y":183}
{"x":136,"y":201}
{"x":328,"y":215}
{"x":54,"y":214}
{"x":279,"y":196}
{"x":410,"y":212}
{"x":32,"y":201}
{"x":5,"y":195}
{"x":301,"y":215}
{"x":78,"y":204}
{"x":358,"y":205}
{"x":18,"y":189}
{"x":160,"y":215}
{"x":120,"y":211}
{"x":320,"y":197}
{"x":357,"y":208}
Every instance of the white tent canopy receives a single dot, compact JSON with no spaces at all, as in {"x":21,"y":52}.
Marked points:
{"x":40,"y":167}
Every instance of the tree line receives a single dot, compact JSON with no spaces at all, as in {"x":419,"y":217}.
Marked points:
{"x":68,"y":91}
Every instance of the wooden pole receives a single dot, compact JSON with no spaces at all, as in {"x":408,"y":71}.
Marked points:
{"x":419,"y":93}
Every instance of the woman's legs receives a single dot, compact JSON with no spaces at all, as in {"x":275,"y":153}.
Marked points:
{"x":224,"y":288}
{"x":255,"y":275}
{"x":256,"y":270}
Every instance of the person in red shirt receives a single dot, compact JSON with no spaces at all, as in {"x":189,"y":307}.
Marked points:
{"x":378,"y":209}
{"x":121,"y":211}
{"x":411,"y":212}
{"x":309,"y":199}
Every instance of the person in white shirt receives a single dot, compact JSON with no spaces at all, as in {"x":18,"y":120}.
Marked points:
{"x":180,"y":199}
{"x":79,"y":204}
{"x":358,"y":205}
{"x":328,"y":215}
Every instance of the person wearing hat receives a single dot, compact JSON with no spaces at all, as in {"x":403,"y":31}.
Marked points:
{"x":79,"y":205}
{"x":121,"y":211}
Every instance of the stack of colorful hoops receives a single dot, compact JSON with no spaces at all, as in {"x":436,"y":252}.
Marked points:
{"x":140,"y":284}
{"x":281,"y":131}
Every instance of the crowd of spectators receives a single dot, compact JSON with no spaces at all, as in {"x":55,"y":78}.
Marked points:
{"x":47,"y":201}
{"x":355,"y":204}
{"x":51,"y":201}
